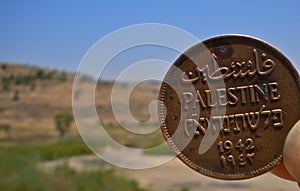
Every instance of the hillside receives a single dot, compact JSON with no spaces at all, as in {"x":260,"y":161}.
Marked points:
{"x":31,"y":97}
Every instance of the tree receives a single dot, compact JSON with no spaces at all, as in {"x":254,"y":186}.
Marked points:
{"x":16,"y":96}
{"x":18,"y":79}
{"x":32,"y":86}
{"x":40,"y":74}
{"x":4,"y":66}
{"x":63,"y":123}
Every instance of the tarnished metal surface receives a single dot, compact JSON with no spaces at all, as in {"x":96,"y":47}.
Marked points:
{"x":247,"y":105}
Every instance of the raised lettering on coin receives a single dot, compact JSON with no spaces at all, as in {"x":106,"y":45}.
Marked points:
{"x":260,"y":96}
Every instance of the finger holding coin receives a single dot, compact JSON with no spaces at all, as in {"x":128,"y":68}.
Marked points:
{"x":282,"y":172}
{"x":291,"y":152}
{"x":290,"y":168}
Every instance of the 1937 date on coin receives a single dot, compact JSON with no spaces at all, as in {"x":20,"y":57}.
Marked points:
{"x":227,"y":105}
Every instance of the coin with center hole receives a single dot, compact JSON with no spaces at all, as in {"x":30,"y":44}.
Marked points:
{"x":227,"y":105}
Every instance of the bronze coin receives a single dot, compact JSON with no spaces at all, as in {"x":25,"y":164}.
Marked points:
{"x":227,"y":105}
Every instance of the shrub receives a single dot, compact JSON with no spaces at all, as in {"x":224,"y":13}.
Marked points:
{"x":63,"y":123}
{"x":16,"y":96}
{"x":4,"y":66}
{"x":39,"y":74}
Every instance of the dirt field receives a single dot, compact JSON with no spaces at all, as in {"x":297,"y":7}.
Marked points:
{"x":174,"y":175}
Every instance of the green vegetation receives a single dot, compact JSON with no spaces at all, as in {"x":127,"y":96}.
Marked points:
{"x":162,"y":150}
{"x":184,"y":189}
{"x":4,"y":66}
{"x":134,"y":140}
{"x":19,"y":170}
{"x":30,"y":78}
{"x":65,"y":148}
{"x":63,"y":122}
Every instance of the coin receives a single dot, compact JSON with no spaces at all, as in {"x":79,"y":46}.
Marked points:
{"x":227,"y":105}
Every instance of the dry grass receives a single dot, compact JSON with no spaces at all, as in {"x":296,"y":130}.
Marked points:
{"x":40,"y":99}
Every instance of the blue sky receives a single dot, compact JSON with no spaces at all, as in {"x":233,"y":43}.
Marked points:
{"x":57,"y":34}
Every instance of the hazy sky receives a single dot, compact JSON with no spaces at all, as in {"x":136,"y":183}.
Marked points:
{"x":57,"y":34}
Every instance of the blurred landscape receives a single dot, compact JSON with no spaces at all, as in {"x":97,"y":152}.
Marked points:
{"x":36,"y":125}
{"x":40,"y":147}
